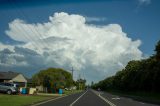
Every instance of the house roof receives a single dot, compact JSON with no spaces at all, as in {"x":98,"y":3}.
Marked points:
{"x":8,"y":75}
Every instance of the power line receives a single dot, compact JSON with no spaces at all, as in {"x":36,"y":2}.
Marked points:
{"x":33,"y":31}
{"x":21,"y":28}
{"x":18,"y":29}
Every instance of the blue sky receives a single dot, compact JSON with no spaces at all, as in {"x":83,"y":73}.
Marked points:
{"x":139,"y":19}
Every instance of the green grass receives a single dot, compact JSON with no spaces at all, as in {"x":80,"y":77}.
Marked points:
{"x":20,"y":100}
{"x":25,"y":100}
{"x":141,"y":96}
{"x":71,"y":92}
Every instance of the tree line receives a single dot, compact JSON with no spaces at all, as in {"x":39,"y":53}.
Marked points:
{"x":138,"y":75}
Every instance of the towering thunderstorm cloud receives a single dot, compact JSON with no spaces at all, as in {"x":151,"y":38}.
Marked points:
{"x":67,"y":40}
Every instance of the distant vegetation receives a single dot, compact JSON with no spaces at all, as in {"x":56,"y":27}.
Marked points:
{"x":137,"y":76}
{"x":53,"y":78}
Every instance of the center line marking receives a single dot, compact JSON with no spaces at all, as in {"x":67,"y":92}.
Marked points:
{"x":77,"y":99}
{"x":110,"y":103}
{"x":107,"y":101}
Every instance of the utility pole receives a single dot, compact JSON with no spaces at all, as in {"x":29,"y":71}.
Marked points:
{"x":72,"y":76}
{"x":79,"y":83}
{"x":79,"y":76}
{"x":72,"y":72}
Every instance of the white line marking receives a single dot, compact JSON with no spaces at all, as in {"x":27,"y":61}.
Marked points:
{"x":141,"y":103}
{"x":117,"y":98}
{"x":110,"y":103}
{"x":107,"y":101}
{"x":37,"y":104}
{"x":48,"y":100}
{"x":77,"y":99}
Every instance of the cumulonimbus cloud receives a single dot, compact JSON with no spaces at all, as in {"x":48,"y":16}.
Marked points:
{"x":66,"y":40}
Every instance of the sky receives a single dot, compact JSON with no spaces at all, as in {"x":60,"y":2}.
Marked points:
{"x":95,"y":37}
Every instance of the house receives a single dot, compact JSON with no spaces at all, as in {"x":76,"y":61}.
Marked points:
{"x":13,"y":77}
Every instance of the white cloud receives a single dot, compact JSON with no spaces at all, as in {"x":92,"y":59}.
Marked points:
{"x":66,"y":41}
{"x":9,"y":58}
{"x":95,"y":19}
{"x":144,"y":2}
{"x":3,"y":46}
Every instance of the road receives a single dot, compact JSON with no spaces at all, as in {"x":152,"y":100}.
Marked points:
{"x":94,"y":98}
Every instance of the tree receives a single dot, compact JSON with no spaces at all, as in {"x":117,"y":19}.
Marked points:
{"x":157,"y":49}
{"x":80,"y":83}
{"x":53,"y":78}
{"x":92,"y":83}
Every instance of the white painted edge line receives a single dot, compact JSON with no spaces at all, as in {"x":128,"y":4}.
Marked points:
{"x":77,"y":99}
{"x":107,"y":101}
{"x":49,"y":100}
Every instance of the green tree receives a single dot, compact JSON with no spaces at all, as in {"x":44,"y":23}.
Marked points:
{"x":53,"y":78}
{"x":157,"y":50}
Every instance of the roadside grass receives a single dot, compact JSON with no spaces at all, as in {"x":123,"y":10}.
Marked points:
{"x":26,"y":100}
{"x":68,"y":92}
{"x":149,"y":97}
{"x":21,"y":100}
{"x":65,"y":92}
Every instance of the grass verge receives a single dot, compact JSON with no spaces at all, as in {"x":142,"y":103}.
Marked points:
{"x":71,"y":92}
{"x":21,"y":100}
{"x":26,"y":100}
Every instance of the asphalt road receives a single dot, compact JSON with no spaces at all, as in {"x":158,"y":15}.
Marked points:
{"x":123,"y":101}
{"x":64,"y":101}
{"x":94,"y":98}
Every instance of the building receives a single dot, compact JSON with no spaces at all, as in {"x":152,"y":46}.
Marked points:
{"x":13,"y":77}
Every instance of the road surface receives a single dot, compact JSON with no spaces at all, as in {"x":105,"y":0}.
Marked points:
{"x":94,"y":98}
